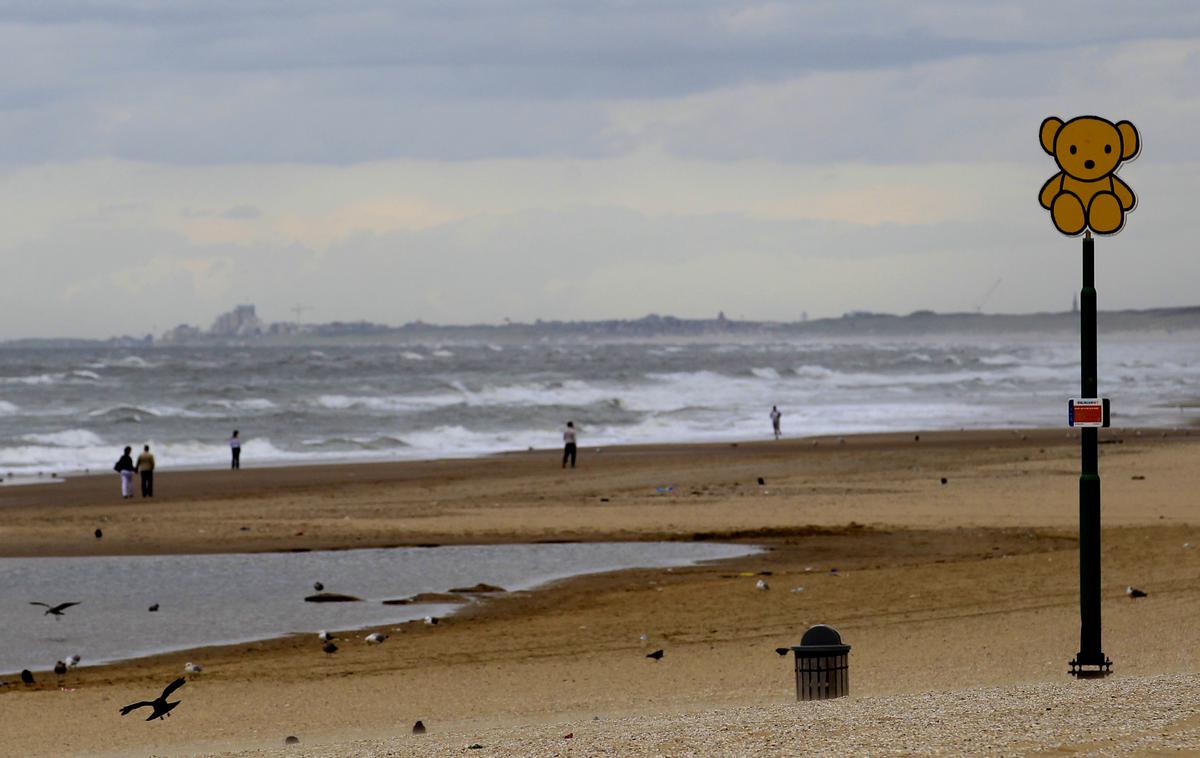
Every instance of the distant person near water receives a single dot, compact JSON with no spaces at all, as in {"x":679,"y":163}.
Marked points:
{"x":775,"y":416}
{"x":126,"y":468}
{"x":569,"y":444}
{"x":235,"y":447}
{"x":145,"y":467}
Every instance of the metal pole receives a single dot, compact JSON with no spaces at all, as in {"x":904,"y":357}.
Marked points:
{"x":1090,"y":653}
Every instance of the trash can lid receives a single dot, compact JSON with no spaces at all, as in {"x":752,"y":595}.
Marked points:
{"x":821,"y":640}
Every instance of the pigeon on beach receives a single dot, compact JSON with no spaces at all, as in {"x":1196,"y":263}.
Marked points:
{"x":656,"y":655}
{"x":27,"y":677}
{"x":60,"y":668}
{"x":1134,"y":592}
{"x":329,"y":647}
{"x":55,"y":610}
{"x":159,"y":704}
{"x":419,"y":728}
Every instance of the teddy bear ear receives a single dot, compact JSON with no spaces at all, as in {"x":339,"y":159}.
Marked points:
{"x":1049,"y":131}
{"x":1131,"y":143}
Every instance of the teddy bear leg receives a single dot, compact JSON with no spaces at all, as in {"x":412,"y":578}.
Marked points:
{"x":1068,"y":214}
{"x":1104,"y":213}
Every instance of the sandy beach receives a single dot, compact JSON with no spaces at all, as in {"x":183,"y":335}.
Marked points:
{"x":959,"y":599}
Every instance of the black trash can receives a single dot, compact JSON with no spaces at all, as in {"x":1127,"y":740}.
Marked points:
{"x":822,"y":672}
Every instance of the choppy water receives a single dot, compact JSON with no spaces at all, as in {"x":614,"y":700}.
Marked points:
{"x":219,"y":599}
{"x":71,"y":409}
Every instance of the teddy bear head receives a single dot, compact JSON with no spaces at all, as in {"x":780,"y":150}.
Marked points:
{"x":1088,"y":147}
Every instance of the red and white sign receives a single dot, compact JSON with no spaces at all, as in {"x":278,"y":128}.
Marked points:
{"x":1087,"y":411}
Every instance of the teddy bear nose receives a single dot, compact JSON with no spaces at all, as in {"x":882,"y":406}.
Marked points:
{"x":1089,"y":163}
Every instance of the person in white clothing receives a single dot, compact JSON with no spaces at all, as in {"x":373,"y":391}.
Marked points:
{"x":775,"y":416}
{"x":569,"y":444}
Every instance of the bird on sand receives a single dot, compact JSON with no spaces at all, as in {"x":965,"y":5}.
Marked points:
{"x":192,"y":668}
{"x":27,"y":677}
{"x":73,"y":660}
{"x":762,"y":584}
{"x":419,"y":728}
{"x":153,"y":608}
{"x":318,"y":586}
{"x":783,"y":650}
{"x":56,"y":610}
{"x":329,"y":647}
{"x":325,"y":636}
{"x":60,"y":668}
{"x":375,"y":638}
{"x":656,"y":655}
{"x":431,"y":620}
{"x":159,"y":704}
{"x":99,"y":534}
{"x":1134,"y":592}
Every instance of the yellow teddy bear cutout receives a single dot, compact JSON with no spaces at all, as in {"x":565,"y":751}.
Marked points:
{"x":1086,"y":193}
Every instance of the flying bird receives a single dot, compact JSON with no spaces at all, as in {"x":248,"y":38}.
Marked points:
{"x":783,"y":650}
{"x":153,"y":608}
{"x":329,"y":647}
{"x":656,"y":655}
{"x":56,"y":610}
{"x":159,"y":704}
{"x":27,"y":677}
{"x":1134,"y":592}
{"x":375,"y":638}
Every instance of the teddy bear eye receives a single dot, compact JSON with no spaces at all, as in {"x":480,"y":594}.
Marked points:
{"x":1072,"y":149}
{"x":1108,"y":148}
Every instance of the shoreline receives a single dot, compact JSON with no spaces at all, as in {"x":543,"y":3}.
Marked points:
{"x":940,"y":587}
{"x":89,"y":502}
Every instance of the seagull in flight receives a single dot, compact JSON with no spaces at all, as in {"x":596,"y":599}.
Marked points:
{"x":159,"y":704}
{"x":56,"y":610}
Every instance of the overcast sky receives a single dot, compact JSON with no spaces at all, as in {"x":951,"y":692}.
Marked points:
{"x":466,"y":162}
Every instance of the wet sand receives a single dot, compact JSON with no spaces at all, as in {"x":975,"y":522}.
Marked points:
{"x":940,"y":587}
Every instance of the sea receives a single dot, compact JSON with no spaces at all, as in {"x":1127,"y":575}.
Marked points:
{"x":69,"y":410}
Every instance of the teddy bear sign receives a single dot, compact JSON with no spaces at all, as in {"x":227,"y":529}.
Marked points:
{"x":1086,"y":192}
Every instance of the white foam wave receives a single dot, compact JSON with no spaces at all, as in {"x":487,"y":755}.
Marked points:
{"x":8,"y":409}
{"x":66,"y":438}
{"x":411,"y":356}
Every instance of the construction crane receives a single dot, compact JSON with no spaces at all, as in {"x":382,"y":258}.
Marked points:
{"x":986,"y":295}
{"x":299,"y":311}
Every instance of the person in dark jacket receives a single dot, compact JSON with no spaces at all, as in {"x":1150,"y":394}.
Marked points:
{"x":145,"y":469}
{"x":125,"y":468}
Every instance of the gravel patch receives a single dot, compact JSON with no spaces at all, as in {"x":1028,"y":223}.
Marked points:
{"x":1115,"y":716}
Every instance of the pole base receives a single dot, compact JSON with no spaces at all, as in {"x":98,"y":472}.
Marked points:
{"x":1092,"y":668}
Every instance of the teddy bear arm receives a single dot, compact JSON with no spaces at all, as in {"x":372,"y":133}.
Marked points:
{"x":1050,"y":190}
{"x":1123,"y":193}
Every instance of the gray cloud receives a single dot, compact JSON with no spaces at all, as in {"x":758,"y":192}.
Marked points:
{"x":200,"y":82}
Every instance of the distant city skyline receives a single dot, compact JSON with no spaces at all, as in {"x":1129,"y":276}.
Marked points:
{"x":466,"y":162}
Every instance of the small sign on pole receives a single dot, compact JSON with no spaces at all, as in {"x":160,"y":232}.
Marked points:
{"x":1088,"y":412}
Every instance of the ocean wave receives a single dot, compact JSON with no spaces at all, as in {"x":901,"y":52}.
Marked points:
{"x":66,"y":438}
{"x":8,"y":409}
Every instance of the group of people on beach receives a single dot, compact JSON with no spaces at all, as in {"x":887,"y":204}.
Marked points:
{"x":144,"y":466}
{"x":126,"y":466}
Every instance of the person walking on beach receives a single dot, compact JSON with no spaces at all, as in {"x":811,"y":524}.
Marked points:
{"x":145,"y":467}
{"x":125,"y":468}
{"x":235,"y":447}
{"x":775,"y":416}
{"x":569,"y":444}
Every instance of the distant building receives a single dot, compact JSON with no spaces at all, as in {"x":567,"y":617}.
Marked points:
{"x":182,"y":333}
{"x":239,"y":322}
